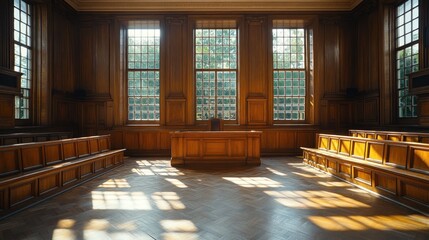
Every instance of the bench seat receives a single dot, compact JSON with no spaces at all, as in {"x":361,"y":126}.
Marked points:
{"x":396,"y":170}
{"x":45,"y":169}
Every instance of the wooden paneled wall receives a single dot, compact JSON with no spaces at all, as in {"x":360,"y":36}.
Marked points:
{"x":86,"y":84}
{"x":101,"y":77}
{"x":140,"y":140}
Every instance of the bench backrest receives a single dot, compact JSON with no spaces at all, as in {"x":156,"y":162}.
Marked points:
{"x":15,"y":138}
{"x":407,"y":155}
{"x":23,"y":157}
{"x":391,"y":135}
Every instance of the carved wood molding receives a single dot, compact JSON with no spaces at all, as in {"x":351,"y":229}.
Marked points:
{"x":211,"y":5}
{"x":176,"y":20}
{"x":255,"y":20}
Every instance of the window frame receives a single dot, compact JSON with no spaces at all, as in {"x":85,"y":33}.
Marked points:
{"x":215,"y":20}
{"x":33,"y":83}
{"x":304,"y":22}
{"x":124,"y":56}
{"x":395,"y":49}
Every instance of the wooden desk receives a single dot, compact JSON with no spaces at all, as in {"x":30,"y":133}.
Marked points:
{"x":215,"y":147}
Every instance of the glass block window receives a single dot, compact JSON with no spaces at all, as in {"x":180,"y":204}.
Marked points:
{"x":407,"y":54}
{"x":216,"y":49}
{"x":143,"y":64}
{"x":22,"y":56}
{"x":289,"y":73}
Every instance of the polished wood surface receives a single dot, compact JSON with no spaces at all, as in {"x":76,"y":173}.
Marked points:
{"x":150,"y":141}
{"x":80,"y":80}
{"x":26,"y":137}
{"x":282,"y":199}
{"x":397,"y":170}
{"x":391,"y":135}
{"x":223,"y":148}
{"x":32,"y":172}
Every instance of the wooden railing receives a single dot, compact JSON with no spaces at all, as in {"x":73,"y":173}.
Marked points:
{"x":32,"y":172}
{"x":397,"y":170}
{"x":391,"y":135}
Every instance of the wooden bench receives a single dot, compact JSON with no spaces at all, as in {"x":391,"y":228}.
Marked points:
{"x":391,"y":135}
{"x":32,"y":172}
{"x":397,"y":170}
{"x":15,"y":138}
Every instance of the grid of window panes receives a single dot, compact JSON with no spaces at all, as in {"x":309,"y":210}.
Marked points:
{"x":23,"y":58}
{"x":407,"y":54}
{"x":143,"y":70}
{"x":216,"y":73}
{"x":289,"y":74}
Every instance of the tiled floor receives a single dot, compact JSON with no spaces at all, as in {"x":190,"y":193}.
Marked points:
{"x":282,"y":199}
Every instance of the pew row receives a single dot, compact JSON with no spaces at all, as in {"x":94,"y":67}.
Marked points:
{"x":391,"y":135}
{"x":396,"y":170}
{"x":15,"y":138}
{"x":32,"y":172}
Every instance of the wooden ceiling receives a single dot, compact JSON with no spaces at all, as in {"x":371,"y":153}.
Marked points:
{"x":212,"y":5}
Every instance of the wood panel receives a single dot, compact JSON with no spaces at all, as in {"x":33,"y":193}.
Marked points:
{"x":7,"y":111}
{"x":175,"y":111}
{"x":419,"y":159}
{"x":32,"y":157}
{"x":415,"y":191}
{"x":358,"y":149}
{"x":102,"y":58}
{"x":192,"y":148}
{"x":53,"y":153}
{"x":345,"y":147}
{"x":175,"y":40}
{"x":49,"y":183}
{"x":375,"y":152}
{"x":331,"y":56}
{"x":362,"y":176}
{"x":70,"y":151}
{"x":257,"y":81}
{"x":385,"y":183}
{"x":86,"y":60}
{"x":396,"y":155}
{"x":131,"y":140}
{"x":70,"y":175}
{"x":64,"y":54}
{"x":257,"y":111}
{"x":83,"y":148}
{"x":9,"y":162}
{"x":22,"y":192}
{"x":94,"y":146}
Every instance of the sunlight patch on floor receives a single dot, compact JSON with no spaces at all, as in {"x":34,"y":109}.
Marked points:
{"x":314,"y":199}
{"x":363,"y":223}
{"x":275,"y":171}
{"x":161,"y":171}
{"x":120,"y":200}
{"x":115,"y":183}
{"x":167,"y":201}
{"x":334,"y":184}
{"x":254,"y":182}
{"x":176,"y":182}
{"x":179,"y":229}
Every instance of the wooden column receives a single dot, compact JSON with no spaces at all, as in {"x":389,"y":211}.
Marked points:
{"x":257,"y":81}
{"x":175,"y":74}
